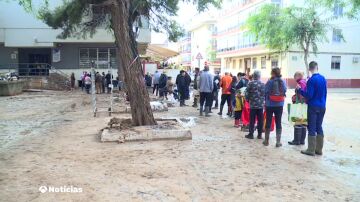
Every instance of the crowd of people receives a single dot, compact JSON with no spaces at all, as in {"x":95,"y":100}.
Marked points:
{"x":102,"y":82}
{"x":254,"y":105}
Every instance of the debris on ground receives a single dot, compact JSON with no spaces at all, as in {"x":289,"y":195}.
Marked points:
{"x":120,"y":124}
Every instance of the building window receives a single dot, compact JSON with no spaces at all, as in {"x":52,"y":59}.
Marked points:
{"x":337,"y":36}
{"x":103,"y":58}
{"x":263,"y":62}
{"x":274,"y":63}
{"x":338,"y":10}
{"x":335,"y":62}
{"x":254,"y":64}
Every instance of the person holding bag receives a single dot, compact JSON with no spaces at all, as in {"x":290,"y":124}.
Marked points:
{"x":299,"y":128}
{"x":275,"y":92}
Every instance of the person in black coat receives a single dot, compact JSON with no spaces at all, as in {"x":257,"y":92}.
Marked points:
{"x":148,"y":80}
{"x":162,"y":85}
{"x":182,"y":85}
{"x":108,"y":78}
{"x":187,"y":89}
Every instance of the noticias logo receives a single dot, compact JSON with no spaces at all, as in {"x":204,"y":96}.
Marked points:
{"x":61,"y":189}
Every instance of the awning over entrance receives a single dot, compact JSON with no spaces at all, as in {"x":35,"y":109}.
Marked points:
{"x":157,"y":52}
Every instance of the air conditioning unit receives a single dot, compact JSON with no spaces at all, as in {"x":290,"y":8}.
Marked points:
{"x":356,"y":60}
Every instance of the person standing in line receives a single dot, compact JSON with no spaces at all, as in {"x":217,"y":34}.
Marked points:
{"x":103,"y":82}
{"x":238,"y":106}
{"x":196,"y":87}
{"x":98,"y":82}
{"x":242,"y":81}
{"x":87,"y":82}
{"x":233,"y":93}
{"x":315,"y":94}
{"x":275,"y":91}
{"x":181,"y":86}
{"x":225,"y":84}
{"x":82,"y":78}
{"x":162,"y":85}
{"x":188,"y":83}
{"x":206,"y":88}
{"x":72,"y":81}
{"x":169,"y":87}
{"x":299,"y":129}
{"x":216,"y":90}
{"x":148,"y":80}
{"x":108,"y":79}
{"x":156,"y":79}
{"x":255,"y":95}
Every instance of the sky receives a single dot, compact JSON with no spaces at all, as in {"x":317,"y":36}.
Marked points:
{"x":186,"y":11}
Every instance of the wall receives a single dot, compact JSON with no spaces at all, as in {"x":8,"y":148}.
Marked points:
{"x":5,"y":56}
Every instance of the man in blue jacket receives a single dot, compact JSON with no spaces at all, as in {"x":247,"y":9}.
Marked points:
{"x":315,"y":94}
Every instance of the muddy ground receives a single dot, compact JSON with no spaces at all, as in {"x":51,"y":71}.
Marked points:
{"x":51,"y":138}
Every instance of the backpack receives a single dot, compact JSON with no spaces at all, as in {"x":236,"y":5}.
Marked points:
{"x":277,"y":92}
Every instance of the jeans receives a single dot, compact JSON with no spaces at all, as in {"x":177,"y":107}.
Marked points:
{"x":315,"y":119}
{"x":205,"y":98}
{"x":226,"y":98}
{"x":215,"y":98}
{"x":277,"y":111}
{"x":256,"y":113}
{"x":156,"y":89}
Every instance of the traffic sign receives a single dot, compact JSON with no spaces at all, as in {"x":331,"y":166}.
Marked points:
{"x":199,"y":56}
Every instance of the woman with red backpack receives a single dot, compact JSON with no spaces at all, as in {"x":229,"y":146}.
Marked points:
{"x":275,"y":91}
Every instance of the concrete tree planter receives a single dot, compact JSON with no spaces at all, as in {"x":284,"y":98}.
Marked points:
{"x":9,"y":88}
{"x":167,"y":129}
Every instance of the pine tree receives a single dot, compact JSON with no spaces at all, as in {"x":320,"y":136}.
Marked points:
{"x":119,"y":16}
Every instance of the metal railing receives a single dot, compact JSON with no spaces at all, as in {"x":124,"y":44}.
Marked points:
{"x":32,"y":69}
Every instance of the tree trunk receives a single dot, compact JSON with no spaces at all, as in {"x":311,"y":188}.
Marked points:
{"x":306,"y":55}
{"x":129,"y":61}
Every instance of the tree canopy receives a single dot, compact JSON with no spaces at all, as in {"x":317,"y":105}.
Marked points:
{"x":74,"y":16}
{"x":281,"y":29}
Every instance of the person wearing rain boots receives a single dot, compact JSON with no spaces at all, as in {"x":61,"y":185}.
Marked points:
{"x":275,"y":91}
{"x":238,"y":106}
{"x":206,"y":88}
{"x":299,"y":130}
{"x":315,"y":94}
{"x":255,"y":95}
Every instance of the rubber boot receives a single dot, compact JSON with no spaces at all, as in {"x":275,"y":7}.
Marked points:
{"x":267,"y":136}
{"x":221,"y":109}
{"x":278,"y":138}
{"x":319,"y":144}
{"x":195,"y":105}
{"x":207,"y":111}
{"x":249,"y":136}
{"x":201,"y":110}
{"x":303,"y":135}
{"x":297,"y":134}
{"x":237,"y":123}
{"x":311,"y":146}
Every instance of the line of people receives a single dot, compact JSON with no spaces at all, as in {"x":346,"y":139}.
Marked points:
{"x":102,"y":82}
{"x":250,"y":100}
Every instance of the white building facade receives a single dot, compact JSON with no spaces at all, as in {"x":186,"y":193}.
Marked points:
{"x":339,"y":61}
{"x":26,"y":41}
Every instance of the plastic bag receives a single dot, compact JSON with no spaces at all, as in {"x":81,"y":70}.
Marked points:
{"x":298,"y":114}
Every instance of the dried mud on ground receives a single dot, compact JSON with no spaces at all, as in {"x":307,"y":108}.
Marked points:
{"x":51,"y":138}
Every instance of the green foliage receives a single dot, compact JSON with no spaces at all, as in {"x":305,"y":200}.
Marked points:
{"x":70,"y":15}
{"x":282,"y":28}
{"x":351,"y":7}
